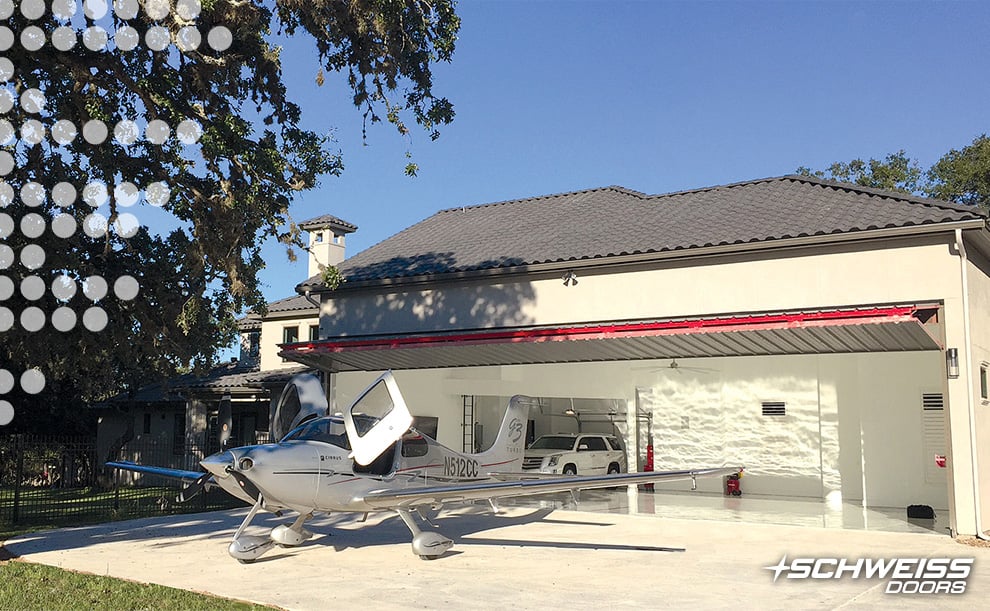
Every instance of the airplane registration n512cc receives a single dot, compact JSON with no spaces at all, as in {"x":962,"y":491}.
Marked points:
{"x":370,"y":459}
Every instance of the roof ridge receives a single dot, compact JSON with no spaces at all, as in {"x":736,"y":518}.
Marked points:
{"x":885,"y":193}
{"x":616,"y":188}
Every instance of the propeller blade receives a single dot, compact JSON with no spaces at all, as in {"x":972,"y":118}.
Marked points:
{"x":225,"y":420}
{"x":246,"y":485}
{"x":194,"y":488}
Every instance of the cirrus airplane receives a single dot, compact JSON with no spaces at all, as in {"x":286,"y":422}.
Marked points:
{"x":370,"y":459}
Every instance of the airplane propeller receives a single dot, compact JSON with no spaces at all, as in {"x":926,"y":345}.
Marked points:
{"x":246,"y":485}
{"x":194,"y":488}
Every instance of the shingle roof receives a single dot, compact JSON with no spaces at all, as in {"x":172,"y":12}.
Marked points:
{"x":328,"y":220}
{"x":614,"y":221}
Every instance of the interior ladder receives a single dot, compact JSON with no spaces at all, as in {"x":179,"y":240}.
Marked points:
{"x":467,"y":422}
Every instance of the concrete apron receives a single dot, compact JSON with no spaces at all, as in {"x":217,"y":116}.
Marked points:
{"x":523,"y":558}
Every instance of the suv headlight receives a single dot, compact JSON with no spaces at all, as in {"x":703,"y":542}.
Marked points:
{"x":552,"y":460}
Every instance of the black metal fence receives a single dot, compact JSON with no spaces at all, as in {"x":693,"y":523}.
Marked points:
{"x":62,"y":481}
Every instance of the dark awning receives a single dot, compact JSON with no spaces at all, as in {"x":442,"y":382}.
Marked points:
{"x":874,"y":329}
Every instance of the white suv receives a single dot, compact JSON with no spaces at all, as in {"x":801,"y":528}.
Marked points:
{"x":575,"y":454}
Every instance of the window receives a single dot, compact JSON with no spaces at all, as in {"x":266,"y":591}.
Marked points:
{"x":314,"y":333}
{"x":319,"y":237}
{"x":774,"y":408}
{"x":338,"y":238}
{"x":426,"y":425}
{"x":983,"y":381}
{"x":179,"y":433}
{"x":146,"y":429}
{"x":592,"y":444}
{"x":290,"y":335}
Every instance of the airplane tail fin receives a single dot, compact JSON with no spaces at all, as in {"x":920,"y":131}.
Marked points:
{"x":506,"y":453}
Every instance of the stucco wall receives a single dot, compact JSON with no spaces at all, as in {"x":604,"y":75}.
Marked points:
{"x":833,"y":277}
{"x":271,"y":337}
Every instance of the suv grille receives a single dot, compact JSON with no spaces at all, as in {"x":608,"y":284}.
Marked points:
{"x":532,"y":462}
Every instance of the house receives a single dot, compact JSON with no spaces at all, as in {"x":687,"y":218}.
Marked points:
{"x":835,"y":339}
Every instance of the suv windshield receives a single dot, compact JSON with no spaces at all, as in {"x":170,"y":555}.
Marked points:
{"x":549,"y":442}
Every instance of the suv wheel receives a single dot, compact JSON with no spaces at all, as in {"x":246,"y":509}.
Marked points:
{"x":613,"y":469}
{"x":570,"y":470}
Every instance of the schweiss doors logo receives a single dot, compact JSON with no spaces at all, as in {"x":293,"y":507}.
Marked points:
{"x":905,"y":575}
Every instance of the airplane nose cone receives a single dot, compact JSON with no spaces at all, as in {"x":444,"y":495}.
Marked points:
{"x":217,"y":464}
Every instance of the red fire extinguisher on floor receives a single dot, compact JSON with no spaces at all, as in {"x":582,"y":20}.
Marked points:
{"x":732,"y":485}
{"x":648,"y":465}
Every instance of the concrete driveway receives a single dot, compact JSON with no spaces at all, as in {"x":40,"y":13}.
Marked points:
{"x":526,"y":558}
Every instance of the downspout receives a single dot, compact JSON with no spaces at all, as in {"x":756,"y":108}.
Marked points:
{"x":963,"y":260}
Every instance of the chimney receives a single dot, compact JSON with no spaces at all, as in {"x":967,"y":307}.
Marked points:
{"x":326,"y":241}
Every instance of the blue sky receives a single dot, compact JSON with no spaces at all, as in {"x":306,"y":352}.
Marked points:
{"x":655,"y":96}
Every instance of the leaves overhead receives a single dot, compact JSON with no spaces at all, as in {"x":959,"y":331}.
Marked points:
{"x":230,"y":191}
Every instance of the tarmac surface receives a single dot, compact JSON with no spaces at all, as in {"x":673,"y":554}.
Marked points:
{"x":524,"y":558}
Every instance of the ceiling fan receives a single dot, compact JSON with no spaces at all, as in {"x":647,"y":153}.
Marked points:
{"x":677,"y":368}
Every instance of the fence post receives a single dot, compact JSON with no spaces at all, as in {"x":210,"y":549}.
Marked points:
{"x":18,"y":476}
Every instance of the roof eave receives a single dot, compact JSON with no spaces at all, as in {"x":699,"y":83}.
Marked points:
{"x":684,"y":253}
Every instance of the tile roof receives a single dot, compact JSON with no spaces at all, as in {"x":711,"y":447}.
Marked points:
{"x":328,"y":220}
{"x":237,"y":378}
{"x":614,"y":221}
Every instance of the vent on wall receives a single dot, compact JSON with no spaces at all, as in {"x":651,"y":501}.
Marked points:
{"x":934,"y":441}
{"x":774,"y":408}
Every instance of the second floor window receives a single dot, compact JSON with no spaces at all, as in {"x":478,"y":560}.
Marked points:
{"x":314,"y":332}
{"x":290,"y":335}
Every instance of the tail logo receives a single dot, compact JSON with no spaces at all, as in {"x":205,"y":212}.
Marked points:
{"x":515,"y":430}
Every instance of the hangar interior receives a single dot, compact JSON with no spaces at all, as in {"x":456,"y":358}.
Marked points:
{"x":865,"y":428}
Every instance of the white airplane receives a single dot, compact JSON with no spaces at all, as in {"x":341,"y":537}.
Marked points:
{"x":369,"y":459}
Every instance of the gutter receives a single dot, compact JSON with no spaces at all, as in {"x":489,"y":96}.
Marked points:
{"x":974,"y":458}
{"x":669,"y":255}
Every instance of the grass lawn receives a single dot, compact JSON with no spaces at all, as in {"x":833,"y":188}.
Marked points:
{"x":25,"y":586}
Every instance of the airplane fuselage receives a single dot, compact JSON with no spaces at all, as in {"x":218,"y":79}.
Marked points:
{"x":309,"y":475}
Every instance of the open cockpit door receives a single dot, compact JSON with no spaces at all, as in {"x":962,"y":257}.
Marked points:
{"x":376,"y":420}
{"x":302,"y":399}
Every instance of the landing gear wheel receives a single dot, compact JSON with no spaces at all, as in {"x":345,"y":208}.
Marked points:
{"x":242,"y":561}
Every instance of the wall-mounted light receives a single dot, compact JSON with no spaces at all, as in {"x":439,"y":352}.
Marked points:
{"x":952,"y":362}
{"x":569,"y":278}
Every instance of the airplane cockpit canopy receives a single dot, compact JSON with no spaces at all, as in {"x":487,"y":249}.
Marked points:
{"x":329,"y":429}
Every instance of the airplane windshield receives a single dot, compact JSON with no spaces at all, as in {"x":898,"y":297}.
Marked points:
{"x":553,"y":443}
{"x":328,"y":430}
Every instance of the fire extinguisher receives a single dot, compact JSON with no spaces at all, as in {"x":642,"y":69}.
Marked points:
{"x":648,"y":465}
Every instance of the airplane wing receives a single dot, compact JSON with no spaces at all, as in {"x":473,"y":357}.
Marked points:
{"x":432,"y":495}
{"x":185,"y":476}
{"x":196,"y":481}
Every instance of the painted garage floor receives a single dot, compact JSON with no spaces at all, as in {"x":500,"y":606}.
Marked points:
{"x":746,"y":508}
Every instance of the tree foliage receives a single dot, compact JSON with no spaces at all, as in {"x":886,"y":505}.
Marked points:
{"x":230,"y":191}
{"x":961,"y":176}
